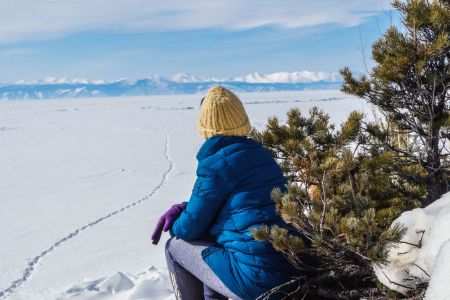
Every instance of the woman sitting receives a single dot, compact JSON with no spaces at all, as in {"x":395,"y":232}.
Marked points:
{"x":212,"y":253}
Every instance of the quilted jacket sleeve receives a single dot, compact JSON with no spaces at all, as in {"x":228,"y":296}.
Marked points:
{"x":210,"y":191}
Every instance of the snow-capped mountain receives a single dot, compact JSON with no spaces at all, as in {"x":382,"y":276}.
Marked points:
{"x":181,"y":83}
{"x":285,"y":77}
{"x":279,"y":77}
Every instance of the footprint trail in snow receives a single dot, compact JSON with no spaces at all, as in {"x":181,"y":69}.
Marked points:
{"x":33,"y":262}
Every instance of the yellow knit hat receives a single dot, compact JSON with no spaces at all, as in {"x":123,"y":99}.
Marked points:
{"x":222,"y":113}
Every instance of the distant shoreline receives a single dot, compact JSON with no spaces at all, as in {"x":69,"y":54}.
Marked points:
{"x":144,"y":87}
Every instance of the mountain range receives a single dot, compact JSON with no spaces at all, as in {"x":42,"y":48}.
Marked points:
{"x":182,"y":83}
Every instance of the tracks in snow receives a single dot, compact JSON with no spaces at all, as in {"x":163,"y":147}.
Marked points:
{"x":33,"y":262}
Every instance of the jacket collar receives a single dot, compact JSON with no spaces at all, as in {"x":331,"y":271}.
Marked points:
{"x":217,"y":142}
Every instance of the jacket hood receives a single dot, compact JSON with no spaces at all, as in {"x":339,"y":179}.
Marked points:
{"x":217,"y":142}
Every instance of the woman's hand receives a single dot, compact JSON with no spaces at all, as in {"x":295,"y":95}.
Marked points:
{"x":166,"y":221}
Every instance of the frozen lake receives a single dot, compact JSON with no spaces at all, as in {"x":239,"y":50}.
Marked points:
{"x":83,"y":182}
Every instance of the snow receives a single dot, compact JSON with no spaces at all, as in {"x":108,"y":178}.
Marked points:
{"x":277,"y":77}
{"x":64,"y":80}
{"x":185,"y":77}
{"x":286,"y":77}
{"x":424,"y":255}
{"x":439,"y":287}
{"x":182,"y":83}
{"x":150,"y":284}
{"x":84,"y":181}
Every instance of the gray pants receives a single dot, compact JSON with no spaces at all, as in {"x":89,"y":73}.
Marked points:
{"x":192,"y":278}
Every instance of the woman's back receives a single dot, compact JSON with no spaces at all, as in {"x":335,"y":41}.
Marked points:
{"x":237,"y":175}
{"x":214,"y":253}
{"x":252,"y":175}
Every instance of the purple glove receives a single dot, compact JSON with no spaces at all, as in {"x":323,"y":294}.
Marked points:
{"x":166,"y":221}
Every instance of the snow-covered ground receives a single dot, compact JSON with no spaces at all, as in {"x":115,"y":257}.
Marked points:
{"x":83,"y":182}
{"x":424,"y":253}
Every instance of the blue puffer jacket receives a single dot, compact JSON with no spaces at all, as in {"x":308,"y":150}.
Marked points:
{"x":230,"y":197}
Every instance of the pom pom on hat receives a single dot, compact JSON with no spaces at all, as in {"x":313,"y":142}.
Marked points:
{"x":222,"y":113}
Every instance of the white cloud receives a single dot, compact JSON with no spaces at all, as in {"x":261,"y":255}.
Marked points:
{"x":17,"y":52}
{"x":37,"y":19}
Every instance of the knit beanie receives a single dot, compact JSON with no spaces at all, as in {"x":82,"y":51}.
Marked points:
{"x":222,"y":113}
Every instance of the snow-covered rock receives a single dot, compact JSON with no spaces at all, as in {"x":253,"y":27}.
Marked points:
{"x":439,"y":287}
{"x":424,"y":253}
{"x":152,"y":284}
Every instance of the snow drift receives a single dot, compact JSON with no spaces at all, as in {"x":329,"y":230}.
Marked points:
{"x":424,"y":253}
{"x":151,"y":284}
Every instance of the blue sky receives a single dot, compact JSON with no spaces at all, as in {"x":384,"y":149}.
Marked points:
{"x":112,"y":39}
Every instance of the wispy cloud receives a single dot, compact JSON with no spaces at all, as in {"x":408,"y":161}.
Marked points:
{"x":10,"y":52}
{"x":22,"y":20}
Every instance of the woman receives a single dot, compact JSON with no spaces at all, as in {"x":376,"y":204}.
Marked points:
{"x":212,"y":253}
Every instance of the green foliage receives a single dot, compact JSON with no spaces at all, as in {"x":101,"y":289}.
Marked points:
{"x":410,"y":86}
{"x":340,"y":195}
{"x":348,"y":183}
